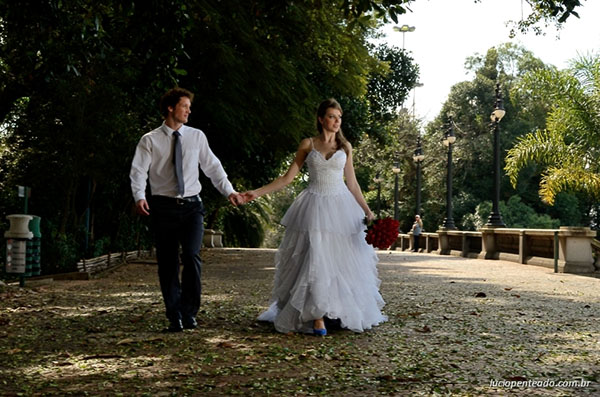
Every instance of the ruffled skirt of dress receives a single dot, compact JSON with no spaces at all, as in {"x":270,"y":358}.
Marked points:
{"x":324,"y":267}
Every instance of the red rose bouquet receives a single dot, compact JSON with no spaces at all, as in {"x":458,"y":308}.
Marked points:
{"x":382,"y":233}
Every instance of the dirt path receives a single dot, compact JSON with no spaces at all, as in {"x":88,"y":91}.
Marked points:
{"x":456,"y":326}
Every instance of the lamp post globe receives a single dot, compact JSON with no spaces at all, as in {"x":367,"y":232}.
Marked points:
{"x":403,"y":29}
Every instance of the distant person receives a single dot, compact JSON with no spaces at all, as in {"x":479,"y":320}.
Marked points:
{"x":169,"y":157}
{"x":324,"y":267}
{"x":417,"y":229}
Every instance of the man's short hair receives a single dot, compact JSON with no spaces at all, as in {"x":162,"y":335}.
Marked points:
{"x":171,"y":99}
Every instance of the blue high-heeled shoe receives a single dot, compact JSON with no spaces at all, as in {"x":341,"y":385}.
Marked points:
{"x":320,"y":331}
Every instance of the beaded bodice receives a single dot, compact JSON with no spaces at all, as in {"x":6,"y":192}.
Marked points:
{"x":326,"y":176}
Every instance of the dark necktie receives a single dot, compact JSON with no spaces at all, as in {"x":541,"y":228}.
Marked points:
{"x":177,"y":161}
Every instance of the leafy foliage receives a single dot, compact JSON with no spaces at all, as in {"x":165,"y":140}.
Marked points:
{"x":374,"y":157}
{"x":389,"y":87}
{"x":526,"y":105}
{"x":515,"y":214}
{"x":568,"y":148}
{"x":470,"y":103}
{"x":546,"y":12}
{"x":81,"y":81}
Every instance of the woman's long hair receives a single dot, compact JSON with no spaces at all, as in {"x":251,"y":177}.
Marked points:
{"x":340,"y":139}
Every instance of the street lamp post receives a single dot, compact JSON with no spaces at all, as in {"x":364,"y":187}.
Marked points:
{"x":418,"y":159}
{"x":449,"y":139}
{"x":495,"y":219}
{"x":414,"y":104}
{"x":403,"y":29}
{"x":396,"y":171}
{"x":378,"y":179}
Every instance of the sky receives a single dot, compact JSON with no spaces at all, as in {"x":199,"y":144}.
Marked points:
{"x":447,"y":32}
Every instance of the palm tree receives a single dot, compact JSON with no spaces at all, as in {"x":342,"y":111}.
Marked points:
{"x":568,"y":149}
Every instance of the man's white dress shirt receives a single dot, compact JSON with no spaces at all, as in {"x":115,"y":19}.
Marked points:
{"x":154,"y":159}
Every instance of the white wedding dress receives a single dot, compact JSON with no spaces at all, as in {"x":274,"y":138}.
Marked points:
{"x":324,"y":266}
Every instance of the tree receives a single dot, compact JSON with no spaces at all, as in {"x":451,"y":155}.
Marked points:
{"x":470,"y":103}
{"x":81,"y":79}
{"x":267,"y":72}
{"x":547,"y":12}
{"x":373,"y":157}
{"x":389,"y":86}
{"x":568,"y":148}
{"x":543,"y":11}
{"x":515,"y":214}
{"x":79,"y":82}
{"x":78,"y":77}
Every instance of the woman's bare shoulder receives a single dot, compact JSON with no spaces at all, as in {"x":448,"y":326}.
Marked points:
{"x":305,"y":145}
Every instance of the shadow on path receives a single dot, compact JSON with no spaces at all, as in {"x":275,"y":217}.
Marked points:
{"x":455,"y":326}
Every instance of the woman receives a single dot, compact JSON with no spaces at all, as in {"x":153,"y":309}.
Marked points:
{"x":417,"y":228}
{"x":324,"y":267}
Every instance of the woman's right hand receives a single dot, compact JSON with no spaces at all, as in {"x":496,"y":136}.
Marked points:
{"x":370,"y":216}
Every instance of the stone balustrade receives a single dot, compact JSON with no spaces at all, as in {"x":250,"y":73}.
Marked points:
{"x":212,"y":239}
{"x":526,"y":246}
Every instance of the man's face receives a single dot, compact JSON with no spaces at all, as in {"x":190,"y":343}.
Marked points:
{"x":182,"y":110}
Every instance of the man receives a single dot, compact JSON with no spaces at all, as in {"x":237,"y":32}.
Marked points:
{"x":169,"y":157}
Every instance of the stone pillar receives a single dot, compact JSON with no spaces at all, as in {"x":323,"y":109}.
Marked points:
{"x":575,"y":248}
{"x":464,"y":245}
{"x":523,"y":251}
{"x":407,"y":242}
{"x":489,"y":249}
{"x":443,"y":242}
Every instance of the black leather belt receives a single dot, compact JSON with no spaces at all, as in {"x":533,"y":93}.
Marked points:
{"x":178,"y":200}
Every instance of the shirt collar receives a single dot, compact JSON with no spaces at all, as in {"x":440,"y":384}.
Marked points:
{"x":168,"y":130}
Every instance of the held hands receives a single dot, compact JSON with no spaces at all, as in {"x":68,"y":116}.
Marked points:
{"x":236,"y":198}
{"x":242,"y":198}
{"x":249,"y":196}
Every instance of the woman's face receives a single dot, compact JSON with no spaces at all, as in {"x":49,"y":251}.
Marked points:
{"x":332,"y":121}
